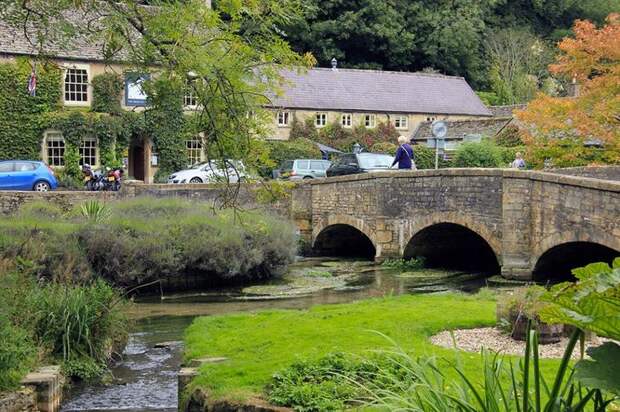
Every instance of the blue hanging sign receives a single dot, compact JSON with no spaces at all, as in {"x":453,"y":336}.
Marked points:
{"x":134,"y":91}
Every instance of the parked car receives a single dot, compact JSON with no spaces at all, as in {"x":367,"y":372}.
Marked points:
{"x":211,"y":172}
{"x":26,"y":175}
{"x":352,"y":163}
{"x":303,"y":169}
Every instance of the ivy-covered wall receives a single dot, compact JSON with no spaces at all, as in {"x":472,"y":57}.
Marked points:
{"x":22,"y":117}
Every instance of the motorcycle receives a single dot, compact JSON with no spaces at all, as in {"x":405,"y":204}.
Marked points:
{"x":99,"y":181}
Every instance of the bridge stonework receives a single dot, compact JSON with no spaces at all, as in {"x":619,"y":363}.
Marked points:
{"x":520,"y":214}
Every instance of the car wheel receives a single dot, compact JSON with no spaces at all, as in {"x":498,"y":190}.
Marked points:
{"x":195,"y":180}
{"x":307,"y":177}
{"x":41,"y":186}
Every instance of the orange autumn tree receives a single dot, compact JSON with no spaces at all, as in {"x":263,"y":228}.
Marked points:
{"x":568,"y":130}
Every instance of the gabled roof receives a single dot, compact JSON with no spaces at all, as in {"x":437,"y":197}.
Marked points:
{"x":378,"y":92}
{"x":458,"y":129}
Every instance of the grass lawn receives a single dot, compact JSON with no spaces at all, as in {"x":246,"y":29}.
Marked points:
{"x":259,"y":344}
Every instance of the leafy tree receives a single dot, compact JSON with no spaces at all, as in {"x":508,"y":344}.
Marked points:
{"x":478,"y":154}
{"x":566,"y":129}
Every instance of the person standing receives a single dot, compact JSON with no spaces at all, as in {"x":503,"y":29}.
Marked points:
{"x":518,"y":163}
{"x":404,"y":155}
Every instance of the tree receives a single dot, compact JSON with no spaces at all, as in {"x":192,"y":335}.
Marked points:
{"x":584,"y":129}
{"x":229,"y":57}
{"x":519,"y":62}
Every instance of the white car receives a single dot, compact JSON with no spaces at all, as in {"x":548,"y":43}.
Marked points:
{"x":210,"y":172}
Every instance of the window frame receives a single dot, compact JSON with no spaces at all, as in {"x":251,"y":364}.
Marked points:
{"x":317,"y":117}
{"x":54,"y":136}
{"x":95,"y":148}
{"x":346,"y":120}
{"x":199,"y":148}
{"x":76,"y":103}
{"x":286,"y":117}
{"x":370,"y":120}
{"x":398,"y":122}
{"x":190,"y":101}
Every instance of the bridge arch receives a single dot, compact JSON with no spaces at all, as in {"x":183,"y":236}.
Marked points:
{"x":345,"y":236}
{"x":557,"y":255}
{"x":452,"y":242}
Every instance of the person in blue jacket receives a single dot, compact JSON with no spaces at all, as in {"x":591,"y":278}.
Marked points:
{"x":404,"y":154}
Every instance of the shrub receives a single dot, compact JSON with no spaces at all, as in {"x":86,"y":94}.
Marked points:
{"x":384,"y":147}
{"x":482,"y":154}
{"x":425,"y":158}
{"x":289,"y":150}
{"x":17,"y":354}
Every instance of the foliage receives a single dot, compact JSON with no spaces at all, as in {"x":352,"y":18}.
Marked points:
{"x":107,"y":88}
{"x":17,"y":354}
{"x":518,"y":64}
{"x":384,"y":147}
{"x":95,"y":210}
{"x":313,"y":333}
{"x":489,"y":98}
{"x":425,"y":158}
{"x":403,"y":264}
{"x":510,"y":136}
{"x":21,"y":115}
{"x":561,"y":128}
{"x":336,"y":136}
{"x":519,"y":304}
{"x":477,"y":154}
{"x":51,"y":322}
{"x":128,"y":250}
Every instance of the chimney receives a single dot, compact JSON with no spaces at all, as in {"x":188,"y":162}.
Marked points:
{"x":573,"y":88}
{"x":334,"y":64}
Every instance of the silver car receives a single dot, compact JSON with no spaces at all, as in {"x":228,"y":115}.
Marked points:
{"x":303,"y":169}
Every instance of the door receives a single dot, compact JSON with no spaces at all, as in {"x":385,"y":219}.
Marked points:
{"x":317,"y":168}
{"x":24,"y":175}
{"x":6,"y":170}
{"x":136,"y":162}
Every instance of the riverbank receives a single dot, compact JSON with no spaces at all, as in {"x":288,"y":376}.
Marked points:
{"x":260,"y":344}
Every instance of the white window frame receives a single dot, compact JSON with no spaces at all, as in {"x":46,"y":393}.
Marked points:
{"x":53,"y":136}
{"x":320,"y":119}
{"x":283,"y":118}
{"x":190,"y":102}
{"x":83,"y":147}
{"x":197,"y":146}
{"x":370,"y":121}
{"x":88,"y":100}
{"x":346,"y":120}
{"x":401,"y":122}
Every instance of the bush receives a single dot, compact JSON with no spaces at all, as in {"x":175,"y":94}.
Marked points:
{"x":120,"y":243}
{"x":384,"y":147}
{"x":482,"y":154}
{"x":280,"y":151}
{"x":425,"y":158}
{"x":17,"y":354}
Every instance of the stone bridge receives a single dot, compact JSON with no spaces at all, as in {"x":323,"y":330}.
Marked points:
{"x":528,"y":224}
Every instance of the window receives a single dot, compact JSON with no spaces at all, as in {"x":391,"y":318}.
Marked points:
{"x":430,"y":119}
{"x":401,"y":122}
{"x":317,"y":165}
{"x":347,"y":120}
{"x":76,"y":85}
{"x":25,"y":166}
{"x":194,"y":151}
{"x":55,"y":149}
{"x":189,"y":99}
{"x":370,"y":121}
{"x":320,"y":119}
{"x":283,"y":118}
{"x":303,"y":165}
{"x":6,"y":167}
{"x":88,"y":151}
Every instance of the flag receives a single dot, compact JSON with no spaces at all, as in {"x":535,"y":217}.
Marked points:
{"x":32,"y":83}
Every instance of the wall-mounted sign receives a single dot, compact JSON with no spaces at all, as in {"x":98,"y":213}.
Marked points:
{"x":134,"y":91}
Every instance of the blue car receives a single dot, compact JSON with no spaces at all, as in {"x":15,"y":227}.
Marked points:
{"x":26,"y":175}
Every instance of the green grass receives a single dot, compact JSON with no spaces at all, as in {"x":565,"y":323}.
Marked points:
{"x":260,"y":344}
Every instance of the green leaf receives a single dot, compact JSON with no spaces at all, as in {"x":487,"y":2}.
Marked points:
{"x":602,"y":371}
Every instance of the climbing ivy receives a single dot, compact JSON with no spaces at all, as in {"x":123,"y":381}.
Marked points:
{"x":107,"y":88}
{"x":21,"y":115}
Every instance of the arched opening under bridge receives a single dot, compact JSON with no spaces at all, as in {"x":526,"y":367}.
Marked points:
{"x":452,"y":246}
{"x":343,"y":241}
{"x":557,"y":263}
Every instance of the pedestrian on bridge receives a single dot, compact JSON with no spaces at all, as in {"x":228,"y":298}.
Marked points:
{"x":404,"y":155}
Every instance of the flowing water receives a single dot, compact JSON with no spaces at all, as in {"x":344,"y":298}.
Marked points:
{"x":145,"y":379}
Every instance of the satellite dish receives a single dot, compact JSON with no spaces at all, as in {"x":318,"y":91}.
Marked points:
{"x":439,"y":129}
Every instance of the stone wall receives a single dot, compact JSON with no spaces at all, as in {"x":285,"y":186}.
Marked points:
{"x":11,"y":201}
{"x":595,"y":172}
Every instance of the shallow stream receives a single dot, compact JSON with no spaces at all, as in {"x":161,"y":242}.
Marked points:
{"x":145,"y":379}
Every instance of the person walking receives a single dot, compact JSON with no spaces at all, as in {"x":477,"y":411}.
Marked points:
{"x":404,"y":155}
{"x":518,"y":163}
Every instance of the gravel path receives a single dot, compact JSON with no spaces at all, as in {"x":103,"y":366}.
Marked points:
{"x":473,"y":340}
